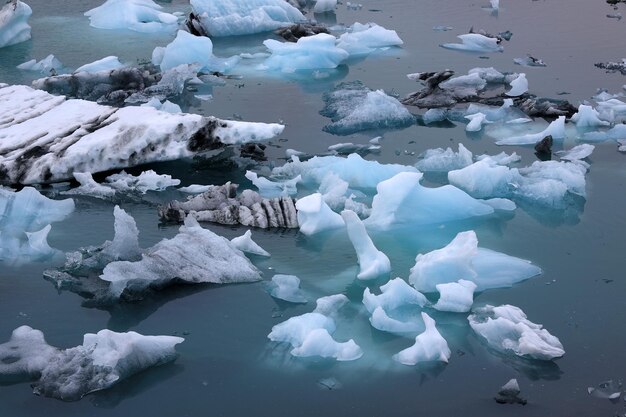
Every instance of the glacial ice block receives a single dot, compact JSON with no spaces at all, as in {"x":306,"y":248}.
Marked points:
{"x":271,"y":189}
{"x":475,"y":42}
{"x":14,"y":26}
{"x":103,"y":359}
{"x":315,"y":216}
{"x":456,"y":297}
{"x":403,"y":201}
{"x":476,"y":122}
{"x":244,"y":17}
{"x":507,"y":329}
{"x":50,"y":65}
{"x":429,"y":346}
{"x":519,"y":86}
{"x":394,"y":294}
{"x":587,"y":116}
{"x":362,"y":39}
{"x":320,"y":343}
{"x":440,"y":160}
{"x":108,"y":63}
{"x":463,"y":259}
{"x":372,"y":262}
{"x":556,"y":129}
{"x":245,"y":244}
{"x":137,"y":15}
{"x":287,"y":288}
{"x":45,"y":138}
{"x":308,"y":53}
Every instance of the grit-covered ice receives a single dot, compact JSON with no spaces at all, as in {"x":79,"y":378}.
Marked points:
{"x":429,"y":346}
{"x":372,"y":262}
{"x":245,"y":244}
{"x":136,"y":15}
{"x":506,"y":329}
{"x":463,"y":259}
{"x":287,"y":288}
{"x":315,"y":216}
{"x":475,"y":42}
{"x":14,"y":26}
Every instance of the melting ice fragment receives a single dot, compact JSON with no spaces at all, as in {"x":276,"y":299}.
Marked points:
{"x":429,"y":346}
{"x":103,"y":359}
{"x":509,"y":394}
{"x":362,"y":39}
{"x":556,"y":129}
{"x":394,"y":294}
{"x":245,"y":244}
{"x":271,"y":189}
{"x":463,"y":259}
{"x":315,"y":216}
{"x":14,"y":26}
{"x":323,"y":6}
{"x":108,"y":63}
{"x":475,"y":42}
{"x":308,"y":53}
{"x":519,"y":86}
{"x":506,"y":329}
{"x":610,"y":390}
{"x":577,"y":153}
{"x":456,"y":297}
{"x":50,"y":65}
{"x":287,"y":288}
{"x":587,"y":116}
{"x":372,"y":262}
{"x":476,"y":122}
{"x":440,"y":160}
{"x":136,"y":15}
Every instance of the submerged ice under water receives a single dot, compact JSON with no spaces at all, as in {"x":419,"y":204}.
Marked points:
{"x":383,"y":325}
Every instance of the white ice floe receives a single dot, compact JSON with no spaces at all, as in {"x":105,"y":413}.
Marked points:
{"x":315,"y":216}
{"x":319,"y":342}
{"x":244,"y":17}
{"x":505,"y":328}
{"x":507,"y":112}
{"x":372,"y":262}
{"x":476,"y":122}
{"x":587,"y":116}
{"x":308,"y":53}
{"x":136,"y":15}
{"x":36,"y":145}
{"x":14,"y":26}
{"x":245,"y":244}
{"x":125,"y":243}
{"x":519,"y":86}
{"x":108,"y":63}
{"x":362,"y":39}
{"x":287,"y":288}
{"x":475,"y":42}
{"x":429,"y":346}
{"x":271,"y":189}
{"x":403,"y":201}
{"x":463,"y":259}
{"x":577,"y":153}
{"x":394,"y":294}
{"x":104,"y":359}
{"x":556,"y":129}
{"x":456,"y":297}
{"x":50,"y":65}
{"x":440,"y":160}
{"x":88,"y":186}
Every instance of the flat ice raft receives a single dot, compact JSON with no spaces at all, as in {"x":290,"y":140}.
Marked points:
{"x":45,"y":138}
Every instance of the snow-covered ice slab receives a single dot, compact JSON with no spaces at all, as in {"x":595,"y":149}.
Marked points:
{"x":104,"y":359}
{"x":136,"y":15}
{"x":14,"y":26}
{"x":506,"y":329}
{"x":463,"y":259}
{"x":45,"y":138}
{"x":244,"y":17}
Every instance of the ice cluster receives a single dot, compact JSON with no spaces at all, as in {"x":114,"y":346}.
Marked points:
{"x":121,"y":183}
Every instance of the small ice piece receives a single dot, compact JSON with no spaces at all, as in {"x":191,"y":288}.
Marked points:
{"x":323,"y":6}
{"x":456,"y":297}
{"x":50,"y":65}
{"x":617,"y":132}
{"x":90,"y":187}
{"x":622,"y":145}
{"x":315,"y":216}
{"x":577,"y":153}
{"x":429,"y":346}
{"x":372,"y":262}
{"x":506,"y":329}
{"x":244,"y":17}
{"x":439,"y":160}
{"x":485,"y":179}
{"x":475,"y":42}
{"x":509,"y":394}
{"x":529,"y":61}
{"x":195,"y":189}
{"x":463,"y":259}
{"x":519,"y":86}
{"x":190,"y":49}
{"x":556,"y":129}
{"x":403,"y":201}
{"x":125,"y":244}
{"x":287,"y":288}
{"x":166,"y":106}
{"x":330,"y":304}
{"x":320,"y":343}
{"x":587,"y":116}
{"x":495,"y":4}
{"x":502,"y":158}
{"x":476,"y":122}
{"x":292,"y":152}
{"x":442,"y":28}
{"x":362,"y":39}
{"x":610,"y":390}
{"x":381,"y":321}
{"x":308,"y":53}
{"x":137,"y":15}
{"x":245,"y":244}
{"x":394,"y":294}
{"x":271,"y":189}
{"x":144,"y":182}
{"x":108,"y":63}
{"x":14,"y":26}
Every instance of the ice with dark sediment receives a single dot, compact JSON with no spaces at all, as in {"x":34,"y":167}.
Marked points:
{"x":14,"y":27}
{"x":104,"y":359}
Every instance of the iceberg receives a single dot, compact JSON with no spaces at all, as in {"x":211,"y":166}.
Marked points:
{"x":463,"y":259}
{"x":38,"y":147}
{"x":287,"y":288}
{"x":456,"y":297}
{"x":14,"y":26}
{"x":429,"y":346}
{"x":402,"y":201}
{"x":440,"y":160}
{"x":475,"y":42}
{"x":244,"y":17}
{"x":308,"y":53}
{"x":506,"y":329}
{"x":320,"y":343}
{"x":380,"y":320}
{"x":137,"y":15}
{"x":108,"y":63}
{"x":362,"y":39}
{"x":352,"y":107}
{"x":315,"y":216}
{"x":104,"y":359}
{"x":245,"y":244}
{"x":372,"y":262}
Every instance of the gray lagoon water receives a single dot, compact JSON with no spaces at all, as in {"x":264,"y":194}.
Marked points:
{"x":227,"y":367}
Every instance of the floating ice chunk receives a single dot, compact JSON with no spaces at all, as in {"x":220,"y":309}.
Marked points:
{"x":485,"y":179}
{"x":556,"y":129}
{"x":244,"y":17}
{"x":509,"y":394}
{"x":144,"y":182}
{"x":195,"y":189}
{"x":506,"y":113}
{"x":372,"y":262}
{"x":136,"y":15}
{"x":320,"y":343}
{"x":89,"y":187}
{"x":476,"y":122}
{"x":587,"y":116}
{"x":492,"y":75}
{"x":571,"y":176}
{"x":315,"y":216}
{"x":403,"y":201}
{"x":323,"y":6}
{"x":519,"y":86}
{"x":295,"y":329}
{"x":472,"y":82}
{"x":26,"y":354}
{"x":475,"y":42}
{"x":271,"y":189}
{"x":194,"y":255}
{"x":14,"y":26}
{"x":308,"y":53}
{"x":333,"y":190}
{"x":108,"y":63}
{"x":381,"y":321}
{"x":617,"y":132}
{"x":456,"y":297}
{"x":463,"y":259}
{"x":330,"y":304}
{"x":612,"y":110}
{"x":191,"y":49}
{"x":125,"y":244}
{"x":362,"y":39}
{"x":577,"y":153}
{"x":429,"y":346}
{"x":442,"y":28}
{"x":394,"y":294}
{"x":529,"y":61}
{"x":502,"y":158}
{"x":245,"y":244}
{"x":50,"y":65}
{"x":287,"y":288}
{"x":353,"y":107}
{"x":166,"y":106}
{"x":609,"y":390}
{"x":506,"y":329}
